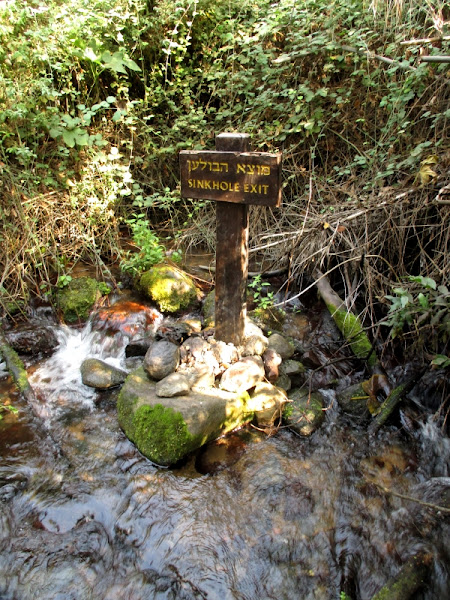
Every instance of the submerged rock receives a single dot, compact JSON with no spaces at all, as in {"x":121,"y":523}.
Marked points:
{"x":98,"y":374}
{"x":304,"y":414}
{"x":168,"y":286}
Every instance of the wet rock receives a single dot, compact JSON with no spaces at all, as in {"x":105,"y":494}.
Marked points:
{"x":127,"y":317}
{"x":304,"y":413}
{"x":353,"y":401}
{"x":243,"y":375}
{"x":77,"y":299}
{"x":161,"y":359}
{"x":167,"y":429}
{"x":139,"y":347}
{"x":175,"y":384}
{"x":98,"y":374}
{"x":171,"y":288}
{"x":32,"y":340}
{"x":272,"y":361}
{"x":267,"y":401}
{"x":284,"y":346}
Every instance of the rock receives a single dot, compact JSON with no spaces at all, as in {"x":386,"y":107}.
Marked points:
{"x":225,"y":354}
{"x":175,"y":384}
{"x":127,"y":317}
{"x":243,"y":375}
{"x":139,"y":347}
{"x":161,"y":359}
{"x":292,"y":367}
{"x":353,"y":401}
{"x":32,"y":340}
{"x":167,"y":429}
{"x":78,"y":298}
{"x":272,"y":361}
{"x":284,"y":382}
{"x":267,"y":401}
{"x":98,"y":374}
{"x":168,"y":286}
{"x":269,"y":319}
{"x":304,"y":413}
{"x":284,"y":346}
{"x":209,"y":309}
{"x":197,"y":351}
{"x":199,"y":376}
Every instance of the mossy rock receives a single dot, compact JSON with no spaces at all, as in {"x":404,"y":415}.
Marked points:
{"x":169,"y":287}
{"x":304,"y":413}
{"x":209,"y":309}
{"x":167,"y":429}
{"x":269,"y":319}
{"x":78,"y":298}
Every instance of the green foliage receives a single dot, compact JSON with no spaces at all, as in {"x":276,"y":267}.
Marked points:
{"x":7,"y":408}
{"x":263,"y":298}
{"x":150,"y":252}
{"x":423,"y":306}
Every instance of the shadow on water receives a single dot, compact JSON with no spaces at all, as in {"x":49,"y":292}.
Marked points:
{"x":85,"y":516}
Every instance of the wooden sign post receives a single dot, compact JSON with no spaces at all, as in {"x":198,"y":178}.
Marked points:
{"x":235,"y":178}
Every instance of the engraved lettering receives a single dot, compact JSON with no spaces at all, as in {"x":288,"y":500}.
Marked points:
{"x":240,"y":168}
{"x":224,"y":165}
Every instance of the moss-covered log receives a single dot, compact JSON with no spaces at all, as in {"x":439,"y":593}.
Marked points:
{"x":393,"y":399}
{"x":349,"y":324}
{"x":16,"y":368}
{"x":411,"y":576}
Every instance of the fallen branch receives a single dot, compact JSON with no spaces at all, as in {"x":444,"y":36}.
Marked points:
{"x":394,"y":398}
{"x":411,"y":499}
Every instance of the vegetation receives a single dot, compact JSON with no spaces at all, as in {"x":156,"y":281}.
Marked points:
{"x":98,"y":97}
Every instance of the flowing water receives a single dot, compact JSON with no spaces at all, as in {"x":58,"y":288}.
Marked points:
{"x":84,"y":516}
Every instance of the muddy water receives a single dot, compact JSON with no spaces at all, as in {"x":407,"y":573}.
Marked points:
{"x":85,"y":517}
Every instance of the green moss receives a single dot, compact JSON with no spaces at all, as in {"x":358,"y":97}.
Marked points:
{"x":170,"y":288}
{"x":16,"y":367}
{"x":351,"y":328}
{"x":161,"y":434}
{"x":77,"y":299}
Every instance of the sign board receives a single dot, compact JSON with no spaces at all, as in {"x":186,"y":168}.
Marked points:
{"x":239,"y":177}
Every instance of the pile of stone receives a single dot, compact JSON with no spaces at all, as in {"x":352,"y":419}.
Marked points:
{"x":186,"y":394}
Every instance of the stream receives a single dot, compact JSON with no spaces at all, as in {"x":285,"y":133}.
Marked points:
{"x":84,"y":516}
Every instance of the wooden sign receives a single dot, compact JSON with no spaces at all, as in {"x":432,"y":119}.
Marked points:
{"x":241,"y":177}
{"x":236,"y":178}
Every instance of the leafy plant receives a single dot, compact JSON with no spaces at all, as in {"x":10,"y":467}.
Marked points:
{"x":263,"y":297}
{"x":150,"y":251}
{"x":423,"y":304}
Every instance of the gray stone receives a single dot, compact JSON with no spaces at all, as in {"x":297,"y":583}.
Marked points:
{"x":243,"y":375}
{"x":161,"y":359}
{"x":98,"y":374}
{"x":199,"y":375}
{"x":292,"y":367}
{"x":284,"y":382}
{"x":304,"y":413}
{"x":175,"y":384}
{"x":284,"y":346}
{"x":255,"y":342}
